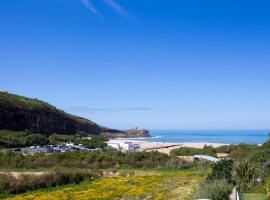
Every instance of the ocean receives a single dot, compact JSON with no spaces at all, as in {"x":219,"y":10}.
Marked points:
{"x":213,"y":136}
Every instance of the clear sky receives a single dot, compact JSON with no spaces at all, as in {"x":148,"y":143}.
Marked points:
{"x":157,"y":64}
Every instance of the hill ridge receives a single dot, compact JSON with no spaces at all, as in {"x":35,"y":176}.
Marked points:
{"x":22,"y":113}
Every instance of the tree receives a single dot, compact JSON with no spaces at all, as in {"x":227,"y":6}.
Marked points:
{"x":222,"y":170}
{"x":244,"y":175}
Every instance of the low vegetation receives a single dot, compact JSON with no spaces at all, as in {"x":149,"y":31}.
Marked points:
{"x":254,"y":196}
{"x":10,"y":184}
{"x":247,"y":167}
{"x":214,"y":190}
{"x":236,"y":152}
{"x":189,"y":151}
{"x":169,"y":176}
{"x":12,"y":139}
{"x":92,"y":142}
{"x":20,"y":101}
{"x":146,"y":185}
{"x":90,"y":159}
{"x":218,"y":184}
{"x":18,"y":139}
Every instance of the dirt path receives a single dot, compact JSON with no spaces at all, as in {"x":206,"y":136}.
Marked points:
{"x":17,"y":174}
{"x":233,"y":194}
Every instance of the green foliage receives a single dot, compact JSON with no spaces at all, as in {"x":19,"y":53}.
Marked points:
{"x":241,"y":152}
{"x":266,"y":145}
{"x":12,"y":139}
{"x":222,"y":170}
{"x":244,"y":175}
{"x":85,"y":159}
{"x":142,"y":184}
{"x":58,"y":139}
{"x":226,"y":148}
{"x":253,"y":164}
{"x":254,"y":196}
{"x":185,"y":151}
{"x":20,"y":101}
{"x":190,"y":151}
{"x":26,"y":182}
{"x":260,"y":157}
{"x":209,"y":150}
{"x":175,"y":163}
{"x":94,"y":142}
{"x":214,"y":190}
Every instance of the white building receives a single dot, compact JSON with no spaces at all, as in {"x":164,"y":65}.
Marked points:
{"x":114,"y":145}
{"x":124,"y":146}
{"x":129,"y":146}
{"x":205,"y":157}
{"x":70,"y":144}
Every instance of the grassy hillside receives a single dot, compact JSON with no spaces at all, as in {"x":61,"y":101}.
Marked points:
{"x":20,"y":101}
{"x":22,"y":113}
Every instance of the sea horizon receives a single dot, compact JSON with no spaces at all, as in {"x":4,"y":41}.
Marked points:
{"x":249,"y":136}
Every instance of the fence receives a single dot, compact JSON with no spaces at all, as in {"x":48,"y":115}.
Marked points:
{"x":238,"y":194}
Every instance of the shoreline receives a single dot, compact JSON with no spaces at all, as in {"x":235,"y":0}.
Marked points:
{"x":165,"y":147}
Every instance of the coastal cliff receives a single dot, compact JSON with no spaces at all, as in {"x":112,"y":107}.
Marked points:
{"x":21,"y":113}
{"x":130,"y":134}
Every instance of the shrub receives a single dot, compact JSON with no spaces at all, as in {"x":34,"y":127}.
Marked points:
{"x":185,"y":151}
{"x":190,"y":151}
{"x":95,"y":142}
{"x":241,"y":152}
{"x":57,"y":138}
{"x":26,"y":182}
{"x":12,"y":139}
{"x":175,"y":163}
{"x":84,"y":159}
{"x":222,"y":170}
{"x":244,"y":175}
{"x":214,"y":190}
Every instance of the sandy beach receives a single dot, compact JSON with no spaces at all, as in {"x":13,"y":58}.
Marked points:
{"x":165,"y":147}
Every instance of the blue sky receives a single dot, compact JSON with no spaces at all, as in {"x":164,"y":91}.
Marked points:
{"x":149,"y":63}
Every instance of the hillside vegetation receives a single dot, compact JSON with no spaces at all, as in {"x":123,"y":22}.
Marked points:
{"x":18,"y":139}
{"x":22,"y":113}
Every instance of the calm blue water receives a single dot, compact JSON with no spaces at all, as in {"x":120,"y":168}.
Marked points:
{"x":218,"y":136}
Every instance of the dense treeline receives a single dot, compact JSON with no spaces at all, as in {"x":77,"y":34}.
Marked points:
{"x":89,"y":159}
{"x":12,"y":139}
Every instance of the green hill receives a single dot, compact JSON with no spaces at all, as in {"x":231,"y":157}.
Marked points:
{"x":22,"y":113}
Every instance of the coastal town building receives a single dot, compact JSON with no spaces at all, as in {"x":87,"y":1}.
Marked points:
{"x":124,"y":146}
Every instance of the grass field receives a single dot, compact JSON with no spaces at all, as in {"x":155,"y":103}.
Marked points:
{"x":138,"y":185}
{"x":254,"y":196}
